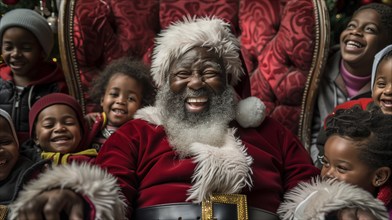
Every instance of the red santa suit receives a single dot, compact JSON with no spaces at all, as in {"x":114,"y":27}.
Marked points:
{"x":151,"y":173}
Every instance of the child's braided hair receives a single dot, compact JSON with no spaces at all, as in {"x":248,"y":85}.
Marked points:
{"x":370,"y":128}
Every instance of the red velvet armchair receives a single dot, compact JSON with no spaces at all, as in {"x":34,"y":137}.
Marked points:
{"x":283,"y":43}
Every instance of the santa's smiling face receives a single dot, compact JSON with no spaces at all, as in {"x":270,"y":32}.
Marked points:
{"x":199,"y":69}
{"x":197,"y":102}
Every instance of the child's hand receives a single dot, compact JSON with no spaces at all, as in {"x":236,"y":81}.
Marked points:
{"x":93,"y":117}
{"x":355,"y":214}
{"x":50,"y":204}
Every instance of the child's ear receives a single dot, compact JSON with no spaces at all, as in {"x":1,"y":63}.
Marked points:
{"x":36,"y":141}
{"x":381,"y":176}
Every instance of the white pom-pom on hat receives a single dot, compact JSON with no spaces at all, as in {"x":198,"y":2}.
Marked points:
{"x":251,"y":112}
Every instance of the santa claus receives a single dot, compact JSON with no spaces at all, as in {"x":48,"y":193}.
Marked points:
{"x":199,"y":152}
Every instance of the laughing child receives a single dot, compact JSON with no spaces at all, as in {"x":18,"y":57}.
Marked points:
{"x":15,"y":168}
{"x":348,"y":71}
{"x":122,"y":88}
{"x":356,"y":170}
{"x":26,"y":75}
{"x":58,"y":130}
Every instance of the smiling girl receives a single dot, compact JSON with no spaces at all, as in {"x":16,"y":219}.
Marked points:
{"x":123,"y":87}
{"x":356,"y":170}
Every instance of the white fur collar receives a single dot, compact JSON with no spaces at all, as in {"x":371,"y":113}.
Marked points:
{"x":223,"y":169}
{"x":151,"y":114}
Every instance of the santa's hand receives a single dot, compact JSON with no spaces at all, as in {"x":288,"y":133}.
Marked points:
{"x":51,"y":204}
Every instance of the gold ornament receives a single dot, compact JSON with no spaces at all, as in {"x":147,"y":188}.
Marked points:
{"x":387,"y":2}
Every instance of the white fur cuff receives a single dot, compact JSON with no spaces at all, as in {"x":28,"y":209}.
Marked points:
{"x":316,"y":199}
{"x":88,"y":180}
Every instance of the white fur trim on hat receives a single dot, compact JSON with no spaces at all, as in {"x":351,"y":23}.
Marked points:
{"x":88,"y":180}
{"x":181,"y":36}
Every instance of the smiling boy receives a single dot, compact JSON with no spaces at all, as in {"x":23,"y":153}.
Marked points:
{"x":25,"y":76}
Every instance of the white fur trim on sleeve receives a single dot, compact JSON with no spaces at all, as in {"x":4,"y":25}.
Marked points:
{"x":314,"y":200}
{"x":86,"y":179}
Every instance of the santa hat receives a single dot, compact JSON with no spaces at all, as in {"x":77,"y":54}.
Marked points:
{"x":213,"y":33}
{"x":8,"y":118}
{"x":55,"y":99}
{"x":184,"y":35}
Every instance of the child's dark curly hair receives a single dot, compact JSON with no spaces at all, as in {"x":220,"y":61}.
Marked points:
{"x":383,"y":10}
{"x":135,"y":69}
{"x":370,"y":128}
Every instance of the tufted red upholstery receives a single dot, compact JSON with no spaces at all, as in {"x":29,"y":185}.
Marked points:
{"x":277,"y":41}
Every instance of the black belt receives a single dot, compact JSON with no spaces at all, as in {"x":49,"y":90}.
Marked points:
{"x":191,"y":211}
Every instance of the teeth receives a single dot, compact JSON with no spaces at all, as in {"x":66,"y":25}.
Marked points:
{"x":354,"y":44}
{"x":60,"y":139}
{"x":195,"y":100}
{"x":388,"y":102}
{"x":118,"y":111}
{"x":2,"y":162}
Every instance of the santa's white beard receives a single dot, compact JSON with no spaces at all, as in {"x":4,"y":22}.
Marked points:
{"x":208,"y":127}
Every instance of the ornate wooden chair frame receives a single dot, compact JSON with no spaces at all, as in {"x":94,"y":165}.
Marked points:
{"x":320,"y":56}
{"x":71,"y":67}
{"x":67,"y":50}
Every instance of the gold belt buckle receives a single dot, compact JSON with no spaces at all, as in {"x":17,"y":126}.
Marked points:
{"x":237,"y":199}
